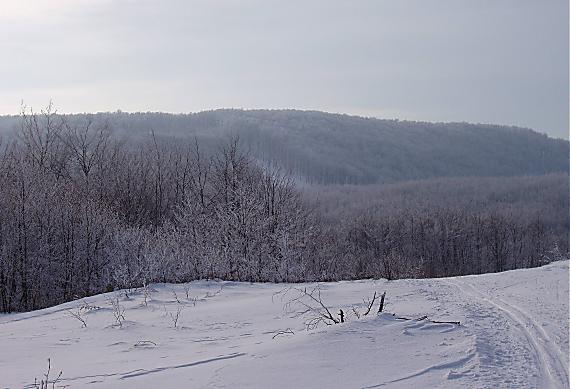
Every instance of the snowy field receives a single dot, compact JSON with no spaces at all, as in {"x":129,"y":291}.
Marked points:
{"x":513,"y":334}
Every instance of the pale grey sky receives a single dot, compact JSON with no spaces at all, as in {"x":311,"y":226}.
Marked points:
{"x":489,"y":61}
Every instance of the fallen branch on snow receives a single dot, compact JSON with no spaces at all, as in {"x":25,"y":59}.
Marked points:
{"x":283,"y":332}
{"x":431,"y":321}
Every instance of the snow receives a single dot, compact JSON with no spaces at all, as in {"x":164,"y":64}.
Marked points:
{"x":513,"y":333}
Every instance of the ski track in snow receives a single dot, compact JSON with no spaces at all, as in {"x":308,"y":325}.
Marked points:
{"x":513,"y":334}
{"x":552,"y":363}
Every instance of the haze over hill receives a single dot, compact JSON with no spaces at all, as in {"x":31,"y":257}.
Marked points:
{"x":329,"y":148}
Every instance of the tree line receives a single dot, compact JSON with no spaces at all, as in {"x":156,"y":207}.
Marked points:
{"x":83,"y":211}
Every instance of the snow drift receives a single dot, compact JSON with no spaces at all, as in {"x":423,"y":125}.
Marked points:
{"x":513,"y":333}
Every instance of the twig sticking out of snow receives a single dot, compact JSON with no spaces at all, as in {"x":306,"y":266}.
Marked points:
{"x":44,"y":383}
{"x":176,"y":297}
{"x":146,"y":293}
{"x":313,"y":306}
{"x":370,"y":304}
{"x":78,"y":315}
{"x":283,"y":332}
{"x":356,"y":313}
{"x":174,"y":317}
{"x":118,"y":311}
{"x":187,"y":292}
{"x":382,"y":298}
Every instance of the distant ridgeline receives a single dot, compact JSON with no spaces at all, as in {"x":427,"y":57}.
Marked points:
{"x":323,"y":148}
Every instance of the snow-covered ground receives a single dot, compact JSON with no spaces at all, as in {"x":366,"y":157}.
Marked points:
{"x":513,"y":334}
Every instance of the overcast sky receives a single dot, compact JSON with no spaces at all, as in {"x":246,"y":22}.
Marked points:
{"x":488,"y":61}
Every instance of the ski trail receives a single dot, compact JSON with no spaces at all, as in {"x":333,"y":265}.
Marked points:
{"x":550,"y":360}
{"x":541,"y":335}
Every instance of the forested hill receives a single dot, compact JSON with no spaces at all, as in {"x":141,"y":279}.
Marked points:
{"x":330,"y":148}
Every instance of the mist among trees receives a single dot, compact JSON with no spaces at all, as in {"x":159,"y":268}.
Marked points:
{"x":322,"y":148}
{"x":92,"y":203}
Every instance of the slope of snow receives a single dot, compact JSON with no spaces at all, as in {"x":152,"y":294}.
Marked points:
{"x":513,"y":333}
